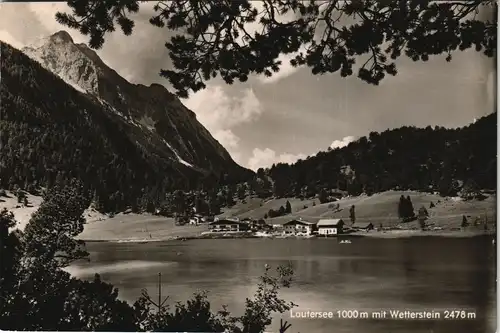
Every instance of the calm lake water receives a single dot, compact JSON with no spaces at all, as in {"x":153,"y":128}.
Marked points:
{"x":367,"y":275}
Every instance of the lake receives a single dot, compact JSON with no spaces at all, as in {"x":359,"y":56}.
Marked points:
{"x":415,"y":274}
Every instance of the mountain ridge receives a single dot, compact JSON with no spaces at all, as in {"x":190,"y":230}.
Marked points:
{"x":52,"y":132}
{"x":153,"y":107}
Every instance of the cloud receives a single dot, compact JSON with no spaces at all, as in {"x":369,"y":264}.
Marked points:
{"x":216,"y":110}
{"x":220,"y":113}
{"x":6,"y":37}
{"x":227,"y":138}
{"x":263,"y":158}
{"x":342,"y":143}
{"x":45,"y":13}
{"x":231,"y":142}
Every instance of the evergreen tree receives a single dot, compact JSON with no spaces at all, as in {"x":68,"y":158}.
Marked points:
{"x":410,"y":212}
{"x":241,"y":191}
{"x":405,"y":208}
{"x":279,"y":188}
{"x":402,"y":207}
{"x":445,"y":186}
{"x":229,"y":197}
{"x":423,"y":212}
{"x":179,"y":202}
{"x":465,"y":223}
{"x":288,"y":208}
{"x":323,"y":196}
{"x":352,"y":214}
{"x":422,"y":216}
{"x":21,"y":195}
{"x":214,"y":205}
{"x":54,"y":237}
{"x":199,"y":205}
{"x":354,"y":187}
{"x":9,"y":254}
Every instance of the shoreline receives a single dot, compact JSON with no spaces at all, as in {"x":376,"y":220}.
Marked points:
{"x":124,"y":227}
{"x":400,"y":234}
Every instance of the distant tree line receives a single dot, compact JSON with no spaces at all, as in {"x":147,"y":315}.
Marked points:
{"x":437,"y":159}
{"x":186,"y":203}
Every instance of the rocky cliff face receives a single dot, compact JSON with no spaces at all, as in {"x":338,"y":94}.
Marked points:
{"x":154,"y":119}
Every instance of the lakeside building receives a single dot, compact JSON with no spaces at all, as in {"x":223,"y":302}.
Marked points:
{"x":329,"y":227}
{"x":299,"y":227}
{"x":200,"y":219}
{"x":227,"y":225}
{"x":258,"y":225}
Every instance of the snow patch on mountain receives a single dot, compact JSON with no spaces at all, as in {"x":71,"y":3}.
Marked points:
{"x":179,"y":158}
{"x":147,"y":122}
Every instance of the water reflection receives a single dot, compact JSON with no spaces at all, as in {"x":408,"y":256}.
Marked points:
{"x":368,"y":274}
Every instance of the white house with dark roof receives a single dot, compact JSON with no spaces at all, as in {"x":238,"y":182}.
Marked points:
{"x":299,"y":227}
{"x":328,"y":227}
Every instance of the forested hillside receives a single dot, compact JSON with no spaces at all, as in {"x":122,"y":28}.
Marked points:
{"x":406,"y":158}
{"x":447,"y":161}
{"x":51,"y":132}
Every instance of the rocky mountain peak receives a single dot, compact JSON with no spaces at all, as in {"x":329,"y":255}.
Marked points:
{"x":158,"y":115}
{"x":59,"y":54}
{"x":62,"y":37}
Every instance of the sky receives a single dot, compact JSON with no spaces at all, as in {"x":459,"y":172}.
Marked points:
{"x":294,"y":114}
